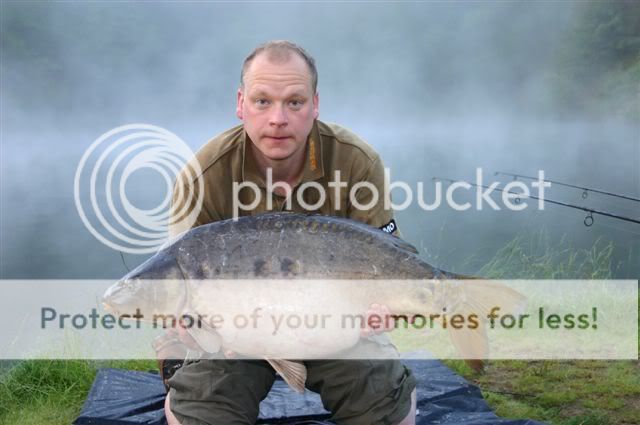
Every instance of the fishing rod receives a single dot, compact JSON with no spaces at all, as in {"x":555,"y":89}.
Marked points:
{"x":585,"y":190}
{"x":588,"y":220}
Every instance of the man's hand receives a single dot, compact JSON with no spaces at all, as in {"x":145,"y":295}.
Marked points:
{"x":378,"y":319}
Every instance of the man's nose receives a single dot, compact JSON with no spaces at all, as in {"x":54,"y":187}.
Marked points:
{"x":278,"y":117}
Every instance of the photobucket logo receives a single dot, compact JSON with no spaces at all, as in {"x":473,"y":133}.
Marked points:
{"x":100,"y":187}
{"x":513,"y":194}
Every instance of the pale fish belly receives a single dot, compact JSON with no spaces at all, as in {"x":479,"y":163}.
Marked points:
{"x":281,"y":319}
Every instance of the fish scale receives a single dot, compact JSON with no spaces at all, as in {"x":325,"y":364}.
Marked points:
{"x":373,"y":247}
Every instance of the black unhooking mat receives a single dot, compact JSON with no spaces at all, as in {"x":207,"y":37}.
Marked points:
{"x":121,"y":397}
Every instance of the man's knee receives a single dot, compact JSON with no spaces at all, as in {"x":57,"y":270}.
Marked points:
{"x":171,"y":419}
{"x":368,"y":391}
{"x":228,"y":390}
{"x":410,"y":419}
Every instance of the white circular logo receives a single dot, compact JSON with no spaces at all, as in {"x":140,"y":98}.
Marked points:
{"x":110,"y":162}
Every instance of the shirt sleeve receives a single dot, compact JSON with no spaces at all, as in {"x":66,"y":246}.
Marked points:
{"x":371,"y":200}
{"x":187,"y":211}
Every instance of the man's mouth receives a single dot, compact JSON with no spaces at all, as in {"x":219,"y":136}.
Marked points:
{"x":280,"y":138}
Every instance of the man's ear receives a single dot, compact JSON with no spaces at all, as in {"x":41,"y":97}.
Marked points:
{"x":239,"y":103}
{"x":316,"y":105}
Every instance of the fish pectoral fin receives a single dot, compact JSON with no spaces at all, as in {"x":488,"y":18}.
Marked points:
{"x":293,"y":373}
{"x":206,"y":337}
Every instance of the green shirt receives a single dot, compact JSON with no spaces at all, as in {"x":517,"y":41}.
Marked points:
{"x":330,"y":147}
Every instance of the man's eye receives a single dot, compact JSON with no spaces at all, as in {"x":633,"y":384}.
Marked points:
{"x":296,"y":103}
{"x":262,"y":102}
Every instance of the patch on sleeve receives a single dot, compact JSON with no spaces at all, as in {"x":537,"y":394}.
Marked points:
{"x":390,"y":227}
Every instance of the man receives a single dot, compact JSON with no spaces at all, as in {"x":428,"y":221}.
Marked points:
{"x":282,"y":140}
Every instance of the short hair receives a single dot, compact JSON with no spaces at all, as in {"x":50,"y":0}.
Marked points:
{"x":280,"y":51}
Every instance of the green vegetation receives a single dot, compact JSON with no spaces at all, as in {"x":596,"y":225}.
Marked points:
{"x":51,"y":392}
{"x":597,"y":67}
{"x":559,"y":392}
{"x":533,"y":256}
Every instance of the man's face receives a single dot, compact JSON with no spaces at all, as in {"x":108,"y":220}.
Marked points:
{"x":277,"y":106}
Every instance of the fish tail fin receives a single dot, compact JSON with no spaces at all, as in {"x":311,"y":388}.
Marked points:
{"x":293,"y":373}
{"x":472,"y":344}
{"x":480,"y":297}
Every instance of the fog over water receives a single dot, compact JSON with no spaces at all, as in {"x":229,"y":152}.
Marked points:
{"x":437,"y":89}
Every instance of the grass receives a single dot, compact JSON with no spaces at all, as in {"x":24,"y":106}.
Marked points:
{"x":532,"y":256}
{"x":561,"y":392}
{"x":587,"y":392}
{"x":581,"y":392}
{"x":51,"y":392}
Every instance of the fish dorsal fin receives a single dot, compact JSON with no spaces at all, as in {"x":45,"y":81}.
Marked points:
{"x":402,"y":244}
{"x":293,"y":373}
{"x":350,"y":224}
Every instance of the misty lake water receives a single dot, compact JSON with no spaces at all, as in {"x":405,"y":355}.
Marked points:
{"x":44,"y":237}
{"x":438,"y":89}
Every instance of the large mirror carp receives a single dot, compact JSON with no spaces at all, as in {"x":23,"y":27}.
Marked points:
{"x":279,"y":264}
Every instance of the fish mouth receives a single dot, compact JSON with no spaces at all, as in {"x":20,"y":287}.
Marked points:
{"x":108,"y":303}
{"x":118,"y":294}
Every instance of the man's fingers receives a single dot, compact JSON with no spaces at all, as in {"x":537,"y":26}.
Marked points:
{"x":378,"y":319}
{"x":389,"y":323}
{"x":365,"y":332}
